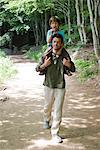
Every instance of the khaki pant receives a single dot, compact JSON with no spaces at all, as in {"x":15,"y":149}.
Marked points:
{"x":54,"y":98}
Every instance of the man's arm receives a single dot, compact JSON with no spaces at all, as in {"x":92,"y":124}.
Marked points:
{"x":69,"y":64}
{"x":67,"y":61}
{"x":43,"y":64}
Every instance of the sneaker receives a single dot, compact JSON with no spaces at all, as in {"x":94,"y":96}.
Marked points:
{"x":57,"y":139}
{"x":46,"y":125}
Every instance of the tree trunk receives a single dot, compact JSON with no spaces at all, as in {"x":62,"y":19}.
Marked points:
{"x":36,"y":29}
{"x":42,"y":28}
{"x":83,"y":27}
{"x":65,"y":19}
{"x":93,"y":21}
{"x":79,"y":21}
{"x":45,"y":23}
{"x":69,"y":23}
{"x":98,"y":20}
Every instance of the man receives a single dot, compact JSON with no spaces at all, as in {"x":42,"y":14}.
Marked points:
{"x":54,"y":85}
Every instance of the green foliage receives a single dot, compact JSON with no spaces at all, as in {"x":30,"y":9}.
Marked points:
{"x":20,"y":28}
{"x":36,"y":54}
{"x":74,"y":33}
{"x":5,"y":39}
{"x":6,"y":67}
{"x":75,"y":47}
{"x":86,"y":69}
{"x":19,"y":14}
{"x":2,"y":54}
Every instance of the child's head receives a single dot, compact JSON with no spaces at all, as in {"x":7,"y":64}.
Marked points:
{"x":54,"y":23}
{"x":57,"y":41}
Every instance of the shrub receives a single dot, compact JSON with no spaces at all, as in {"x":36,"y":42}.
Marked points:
{"x":6,"y":67}
{"x":36,"y":54}
{"x":86,"y":69}
{"x":5,"y":39}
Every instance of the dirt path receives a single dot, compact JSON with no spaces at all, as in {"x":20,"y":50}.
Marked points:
{"x":21,"y":114}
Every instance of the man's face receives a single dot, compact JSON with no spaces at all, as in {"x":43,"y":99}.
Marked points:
{"x":56,"y":43}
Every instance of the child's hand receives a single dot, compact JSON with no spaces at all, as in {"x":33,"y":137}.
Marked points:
{"x":54,"y":32}
{"x":47,"y":61}
{"x":66,"y":62}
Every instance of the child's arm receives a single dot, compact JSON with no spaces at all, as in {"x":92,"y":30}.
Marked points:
{"x":49,"y":36}
{"x":50,"y":33}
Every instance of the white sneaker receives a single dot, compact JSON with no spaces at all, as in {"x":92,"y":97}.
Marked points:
{"x":57,"y":139}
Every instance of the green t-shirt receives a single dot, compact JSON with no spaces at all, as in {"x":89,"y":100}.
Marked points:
{"x":54,"y":77}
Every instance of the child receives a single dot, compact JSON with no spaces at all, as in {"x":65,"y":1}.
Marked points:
{"x":54,"y":23}
{"x":54,"y":85}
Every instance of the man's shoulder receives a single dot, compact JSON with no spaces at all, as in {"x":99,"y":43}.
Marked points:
{"x":64,"y":51}
{"x":47,"y":52}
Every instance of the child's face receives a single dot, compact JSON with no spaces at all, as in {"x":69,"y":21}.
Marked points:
{"x":54,"y":25}
{"x":56,"y":43}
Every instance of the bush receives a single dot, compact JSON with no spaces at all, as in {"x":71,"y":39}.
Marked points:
{"x":86,"y":69}
{"x":36,"y":54}
{"x":2,"y":54}
{"x":6,"y":67}
{"x":5,"y":39}
{"x":74,"y":36}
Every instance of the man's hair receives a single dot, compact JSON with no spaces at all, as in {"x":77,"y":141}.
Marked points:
{"x":55,"y":19}
{"x":58,"y":35}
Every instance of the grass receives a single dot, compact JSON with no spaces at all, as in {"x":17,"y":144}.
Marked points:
{"x":6,"y":67}
{"x":36,"y":54}
{"x":86,"y":69}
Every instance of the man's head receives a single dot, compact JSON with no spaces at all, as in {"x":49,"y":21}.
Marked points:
{"x":54,"y":23}
{"x":57,"y":41}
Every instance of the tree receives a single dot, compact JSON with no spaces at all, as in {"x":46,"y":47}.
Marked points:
{"x":65,"y":8}
{"x":80,"y":21}
{"x":25,"y":15}
{"x":94,"y":12}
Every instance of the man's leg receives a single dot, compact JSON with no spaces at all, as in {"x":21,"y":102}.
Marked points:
{"x":49,"y":100}
{"x":57,"y":114}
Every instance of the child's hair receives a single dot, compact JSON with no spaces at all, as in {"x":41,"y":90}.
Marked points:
{"x":55,"y":19}
{"x":58,"y":35}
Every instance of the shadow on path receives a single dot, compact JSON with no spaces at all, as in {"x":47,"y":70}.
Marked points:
{"x":21,"y":115}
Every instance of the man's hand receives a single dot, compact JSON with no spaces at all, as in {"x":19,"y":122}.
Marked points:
{"x":66,"y":62}
{"x":47,"y":61}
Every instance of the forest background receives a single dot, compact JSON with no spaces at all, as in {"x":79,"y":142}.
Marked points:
{"x":24,"y":24}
